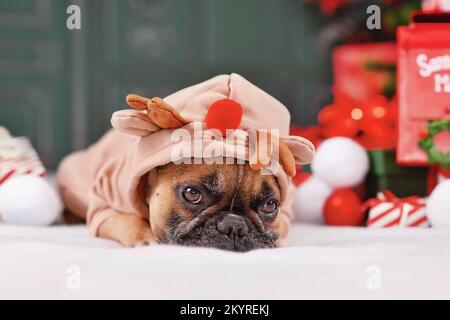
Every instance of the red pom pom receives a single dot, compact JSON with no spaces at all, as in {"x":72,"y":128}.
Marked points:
{"x":343,"y":208}
{"x":224,"y":114}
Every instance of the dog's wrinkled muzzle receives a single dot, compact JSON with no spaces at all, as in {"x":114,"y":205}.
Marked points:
{"x":223,"y":230}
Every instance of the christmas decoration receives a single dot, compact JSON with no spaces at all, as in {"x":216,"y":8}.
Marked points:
{"x":25,"y":197}
{"x":424,"y":83}
{"x":387,"y":211}
{"x":343,"y":208}
{"x":29,"y":200}
{"x":438,"y":205}
{"x":310,"y":200}
{"x":362,"y":71}
{"x":341,"y":162}
{"x":18,"y":157}
{"x":435,"y":141}
{"x":371,"y":123}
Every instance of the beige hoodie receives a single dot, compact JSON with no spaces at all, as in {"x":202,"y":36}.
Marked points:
{"x":109,"y":177}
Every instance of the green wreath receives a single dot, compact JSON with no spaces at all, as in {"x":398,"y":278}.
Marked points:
{"x":427,"y":142}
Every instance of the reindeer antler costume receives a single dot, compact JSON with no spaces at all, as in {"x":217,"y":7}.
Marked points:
{"x":109,"y":177}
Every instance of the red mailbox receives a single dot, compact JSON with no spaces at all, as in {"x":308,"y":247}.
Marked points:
{"x":423,"y":80}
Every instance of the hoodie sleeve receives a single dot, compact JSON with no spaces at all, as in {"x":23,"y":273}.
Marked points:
{"x":94,"y":182}
{"x":102,"y":192}
{"x":110,"y":193}
{"x":79,"y":171}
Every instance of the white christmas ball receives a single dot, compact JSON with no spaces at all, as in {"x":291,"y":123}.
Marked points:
{"x":438,"y":205}
{"x":310,"y":199}
{"x":341,"y":162}
{"x":29,"y":200}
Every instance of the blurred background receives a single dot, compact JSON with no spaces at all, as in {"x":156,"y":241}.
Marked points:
{"x":59,"y":87}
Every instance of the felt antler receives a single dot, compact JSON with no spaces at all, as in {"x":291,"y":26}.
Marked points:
{"x":137,"y":102}
{"x":164,"y":115}
{"x":160,"y":113}
{"x":287,"y":159}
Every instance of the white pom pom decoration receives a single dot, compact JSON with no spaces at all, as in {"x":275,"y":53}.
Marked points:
{"x":29,"y":200}
{"x":438,"y":206}
{"x":310,"y":199}
{"x":341,"y":162}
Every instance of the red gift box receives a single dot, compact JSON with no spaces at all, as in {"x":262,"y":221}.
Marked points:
{"x":387,"y":211}
{"x":423,"y":83}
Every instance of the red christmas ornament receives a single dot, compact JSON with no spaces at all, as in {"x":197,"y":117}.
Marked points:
{"x":224,"y":114}
{"x":343,"y":208}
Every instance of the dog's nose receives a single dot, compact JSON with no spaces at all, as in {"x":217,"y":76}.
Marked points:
{"x":233,"y":226}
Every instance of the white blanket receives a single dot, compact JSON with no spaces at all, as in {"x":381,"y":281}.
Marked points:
{"x":65,"y":262}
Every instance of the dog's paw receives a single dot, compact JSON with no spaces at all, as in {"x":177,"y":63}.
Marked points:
{"x":138,"y":233}
{"x":141,"y":239}
{"x":129,"y":230}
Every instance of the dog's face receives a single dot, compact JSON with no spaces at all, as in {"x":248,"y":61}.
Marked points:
{"x":225,"y":206}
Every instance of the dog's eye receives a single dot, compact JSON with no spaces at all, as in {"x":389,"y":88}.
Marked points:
{"x":192,"y":195}
{"x":269,"y":208}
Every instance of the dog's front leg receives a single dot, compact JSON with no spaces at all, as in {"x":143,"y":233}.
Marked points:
{"x":129,"y":230}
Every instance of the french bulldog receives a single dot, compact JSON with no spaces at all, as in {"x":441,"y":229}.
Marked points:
{"x":224,"y":206}
{"x":130,"y":186}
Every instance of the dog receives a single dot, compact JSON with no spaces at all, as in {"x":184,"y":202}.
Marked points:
{"x":135,"y":187}
{"x":225,"y":206}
